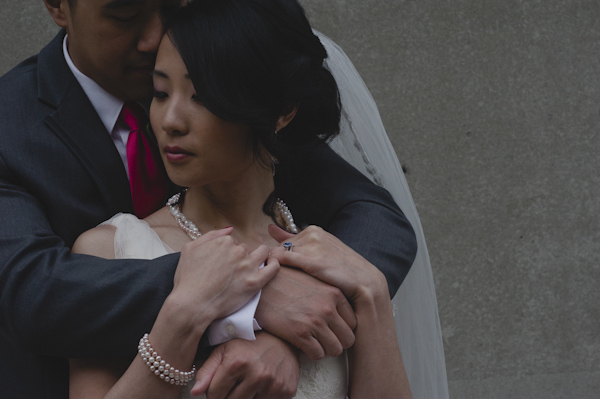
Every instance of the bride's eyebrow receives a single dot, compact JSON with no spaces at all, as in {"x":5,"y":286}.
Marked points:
{"x":160,"y":74}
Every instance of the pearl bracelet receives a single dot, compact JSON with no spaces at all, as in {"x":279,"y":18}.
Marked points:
{"x":161,"y":368}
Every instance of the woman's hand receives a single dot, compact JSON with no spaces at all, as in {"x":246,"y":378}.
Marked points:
{"x":216,"y":275}
{"x":325,"y":257}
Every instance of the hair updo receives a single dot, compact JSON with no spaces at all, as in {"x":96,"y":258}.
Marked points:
{"x":251,"y":61}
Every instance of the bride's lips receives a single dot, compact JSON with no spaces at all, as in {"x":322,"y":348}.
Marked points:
{"x":176,"y":154}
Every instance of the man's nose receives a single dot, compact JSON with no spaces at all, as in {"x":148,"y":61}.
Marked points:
{"x":151,"y":35}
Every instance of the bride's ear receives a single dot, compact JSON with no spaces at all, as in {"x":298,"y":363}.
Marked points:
{"x":284,"y":120}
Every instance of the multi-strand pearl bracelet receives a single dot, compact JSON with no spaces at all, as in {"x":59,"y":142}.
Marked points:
{"x":161,"y":368}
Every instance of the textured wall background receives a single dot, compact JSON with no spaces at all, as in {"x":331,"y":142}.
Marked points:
{"x":493,"y":106}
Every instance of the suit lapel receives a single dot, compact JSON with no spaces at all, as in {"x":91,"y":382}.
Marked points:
{"x":77,"y":124}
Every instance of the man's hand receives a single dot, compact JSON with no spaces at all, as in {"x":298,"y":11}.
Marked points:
{"x":308,"y":313}
{"x":323,"y":256}
{"x":265,"y":368}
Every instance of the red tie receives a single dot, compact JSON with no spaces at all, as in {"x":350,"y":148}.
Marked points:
{"x":147,"y":175}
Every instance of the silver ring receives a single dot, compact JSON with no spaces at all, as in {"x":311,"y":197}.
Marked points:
{"x":288,"y":246}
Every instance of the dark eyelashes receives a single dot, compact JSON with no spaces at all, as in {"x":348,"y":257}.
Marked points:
{"x":124,"y":20}
{"x":161,"y":95}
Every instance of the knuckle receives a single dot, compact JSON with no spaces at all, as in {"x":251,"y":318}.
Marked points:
{"x":238,"y":251}
{"x":317,"y":321}
{"x":219,"y":241}
{"x":237,"y":365}
{"x":314,"y":231}
{"x":288,"y":392}
{"x":282,"y":389}
{"x":336,"y":293}
{"x":254,"y":284}
{"x":223,"y":239}
{"x":305,"y":333}
{"x":266,"y":377}
{"x":328,"y":311}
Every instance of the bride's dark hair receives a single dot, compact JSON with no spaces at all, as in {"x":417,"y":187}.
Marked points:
{"x":252,"y":61}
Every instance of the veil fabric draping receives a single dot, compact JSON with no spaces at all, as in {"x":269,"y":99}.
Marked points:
{"x":364,"y":143}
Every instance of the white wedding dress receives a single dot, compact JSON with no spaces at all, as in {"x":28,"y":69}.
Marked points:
{"x":325,"y":379}
{"x":364,"y":143}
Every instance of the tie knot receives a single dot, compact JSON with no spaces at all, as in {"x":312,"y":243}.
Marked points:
{"x":133,"y":115}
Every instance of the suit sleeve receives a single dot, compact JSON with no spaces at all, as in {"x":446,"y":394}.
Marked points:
{"x":329,"y":192}
{"x":60,"y":304}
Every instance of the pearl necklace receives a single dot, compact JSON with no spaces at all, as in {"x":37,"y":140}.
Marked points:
{"x":192,"y":230}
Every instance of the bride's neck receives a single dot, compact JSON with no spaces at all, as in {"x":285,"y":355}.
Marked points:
{"x":236,"y":203}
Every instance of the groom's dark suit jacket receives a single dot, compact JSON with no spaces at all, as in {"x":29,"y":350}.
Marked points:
{"x":60,"y":175}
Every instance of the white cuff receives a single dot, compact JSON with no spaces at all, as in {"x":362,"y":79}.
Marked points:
{"x":239,"y":324}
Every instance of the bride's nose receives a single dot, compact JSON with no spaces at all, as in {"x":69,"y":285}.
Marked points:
{"x":174,"y":118}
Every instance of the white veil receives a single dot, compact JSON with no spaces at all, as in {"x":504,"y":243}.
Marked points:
{"x":364,"y":143}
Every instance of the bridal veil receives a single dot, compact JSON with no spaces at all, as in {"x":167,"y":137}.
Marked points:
{"x":364,"y":143}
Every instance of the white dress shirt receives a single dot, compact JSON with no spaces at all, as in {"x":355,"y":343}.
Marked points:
{"x":107,"y":106}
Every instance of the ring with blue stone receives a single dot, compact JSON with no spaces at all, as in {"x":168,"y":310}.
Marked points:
{"x":288,"y":246}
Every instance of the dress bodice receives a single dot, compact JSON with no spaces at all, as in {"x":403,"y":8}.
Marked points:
{"x":325,"y":379}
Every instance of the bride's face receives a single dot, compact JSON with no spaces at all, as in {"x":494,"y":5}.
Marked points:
{"x":197,"y":147}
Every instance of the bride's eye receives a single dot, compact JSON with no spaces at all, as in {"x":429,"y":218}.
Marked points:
{"x":159,"y":94}
{"x":196,"y":98}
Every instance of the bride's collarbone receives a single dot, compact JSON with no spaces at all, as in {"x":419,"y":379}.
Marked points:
{"x":172,"y":234}
{"x":169,"y":231}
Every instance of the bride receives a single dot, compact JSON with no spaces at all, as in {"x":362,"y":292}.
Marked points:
{"x":227,"y":154}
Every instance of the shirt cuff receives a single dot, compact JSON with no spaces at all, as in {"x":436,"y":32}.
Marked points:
{"x":239,"y":324}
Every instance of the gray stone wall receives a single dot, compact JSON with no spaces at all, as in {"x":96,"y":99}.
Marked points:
{"x":494,"y":109}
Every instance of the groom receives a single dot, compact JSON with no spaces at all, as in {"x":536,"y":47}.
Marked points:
{"x":61,"y":173}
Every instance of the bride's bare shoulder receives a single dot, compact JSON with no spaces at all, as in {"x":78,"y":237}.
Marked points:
{"x":99,"y":241}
